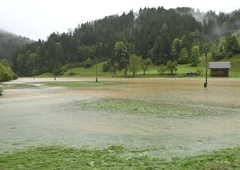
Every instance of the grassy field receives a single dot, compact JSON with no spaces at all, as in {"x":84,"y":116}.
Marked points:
{"x":152,"y":71}
{"x":114,"y":157}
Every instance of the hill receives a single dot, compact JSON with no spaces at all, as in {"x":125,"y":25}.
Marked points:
{"x":10,"y":42}
{"x":181,"y":34}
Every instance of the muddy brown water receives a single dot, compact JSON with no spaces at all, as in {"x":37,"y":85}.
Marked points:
{"x":43,"y":115}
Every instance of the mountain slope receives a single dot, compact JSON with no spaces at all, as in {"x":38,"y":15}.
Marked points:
{"x":10,"y":43}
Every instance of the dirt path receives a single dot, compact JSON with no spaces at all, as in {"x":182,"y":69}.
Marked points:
{"x":43,"y":115}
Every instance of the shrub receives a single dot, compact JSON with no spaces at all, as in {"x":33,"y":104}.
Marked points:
{"x":88,"y":63}
{"x":105,"y":67}
{"x":229,"y":54}
{"x":219,"y":55}
{"x":162,"y":69}
{"x":199,"y":71}
{"x":71,"y":74}
{"x":6,"y":73}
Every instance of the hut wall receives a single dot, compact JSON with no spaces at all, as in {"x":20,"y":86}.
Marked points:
{"x":219,"y":72}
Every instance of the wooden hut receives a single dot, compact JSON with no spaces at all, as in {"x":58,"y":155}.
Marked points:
{"x":220,"y":69}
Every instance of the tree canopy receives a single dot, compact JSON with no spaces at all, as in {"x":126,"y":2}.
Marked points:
{"x":156,"y":33}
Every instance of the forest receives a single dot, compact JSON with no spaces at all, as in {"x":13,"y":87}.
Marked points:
{"x":10,"y":43}
{"x":152,"y":35}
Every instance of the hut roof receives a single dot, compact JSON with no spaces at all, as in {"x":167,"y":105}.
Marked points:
{"x":216,"y":65}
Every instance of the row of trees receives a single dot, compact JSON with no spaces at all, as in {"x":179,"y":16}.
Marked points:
{"x":155,"y":34}
{"x":124,"y":57}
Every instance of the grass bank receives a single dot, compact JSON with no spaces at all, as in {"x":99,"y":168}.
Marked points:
{"x":114,"y":157}
{"x":152,"y":71}
{"x":78,"y":84}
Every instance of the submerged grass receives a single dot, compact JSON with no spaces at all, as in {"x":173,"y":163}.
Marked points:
{"x":162,"y":109}
{"x":76,"y":84}
{"x":20,"y":86}
{"x":113,"y":157}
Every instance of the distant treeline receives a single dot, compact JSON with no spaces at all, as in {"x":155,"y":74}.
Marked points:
{"x":10,"y":43}
{"x":152,"y":33}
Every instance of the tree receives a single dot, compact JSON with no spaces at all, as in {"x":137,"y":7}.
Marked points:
{"x":162,"y":47}
{"x":31,"y":64}
{"x":171,"y":66}
{"x":183,"y":57}
{"x":121,"y":55}
{"x":20,"y":63}
{"x":134,"y":64}
{"x":176,"y":48}
{"x":5,"y":62}
{"x":214,"y":50}
{"x":6,"y":74}
{"x":58,"y":59}
{"x":145,"y":63}
{"x":194,"y":57}
{"x":232,"y":45}
{"x":162,"y":69}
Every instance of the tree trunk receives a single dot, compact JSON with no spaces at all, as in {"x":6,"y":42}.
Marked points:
{"x":126,"y":70}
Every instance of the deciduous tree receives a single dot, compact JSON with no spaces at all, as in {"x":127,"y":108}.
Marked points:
{"x":194,"y":57}
{"x":121,"y":55}
{"x":134,"y":64}
{"x":183,"y":57}
{"x":145,"y":63}
{"x":172,"y":66}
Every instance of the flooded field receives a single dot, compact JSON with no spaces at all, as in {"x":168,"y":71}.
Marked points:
{"x":171,"y":117}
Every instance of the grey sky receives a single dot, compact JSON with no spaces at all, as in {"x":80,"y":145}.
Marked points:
{"x":37,"y":19}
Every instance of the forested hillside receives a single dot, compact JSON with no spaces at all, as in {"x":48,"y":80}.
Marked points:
{"x":10,"y":43}
{"x":153,"y":35}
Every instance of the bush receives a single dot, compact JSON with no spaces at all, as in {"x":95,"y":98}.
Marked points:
{"x":229,"y":54}
{"x":71,"y":74}
{"x":105,"y":67}
{"x":162,"y":69}
{"x":6,"y":73}
{"x":88,"y":63}
{"x":199,"y":71}
{"x":219,"y":55}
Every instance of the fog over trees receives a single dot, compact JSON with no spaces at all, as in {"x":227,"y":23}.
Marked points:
{"x":178,"y":35}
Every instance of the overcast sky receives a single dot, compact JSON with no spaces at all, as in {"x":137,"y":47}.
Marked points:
{"x":37,"y":19}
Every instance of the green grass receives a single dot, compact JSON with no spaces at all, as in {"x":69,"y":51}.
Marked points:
{"x":48,"y":75}
{"x":114,"y":157}
{"x":152,"y":70}
{"x":88,"y":72}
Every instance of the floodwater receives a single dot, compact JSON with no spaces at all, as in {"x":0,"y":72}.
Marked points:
{"x":36,"y":115}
